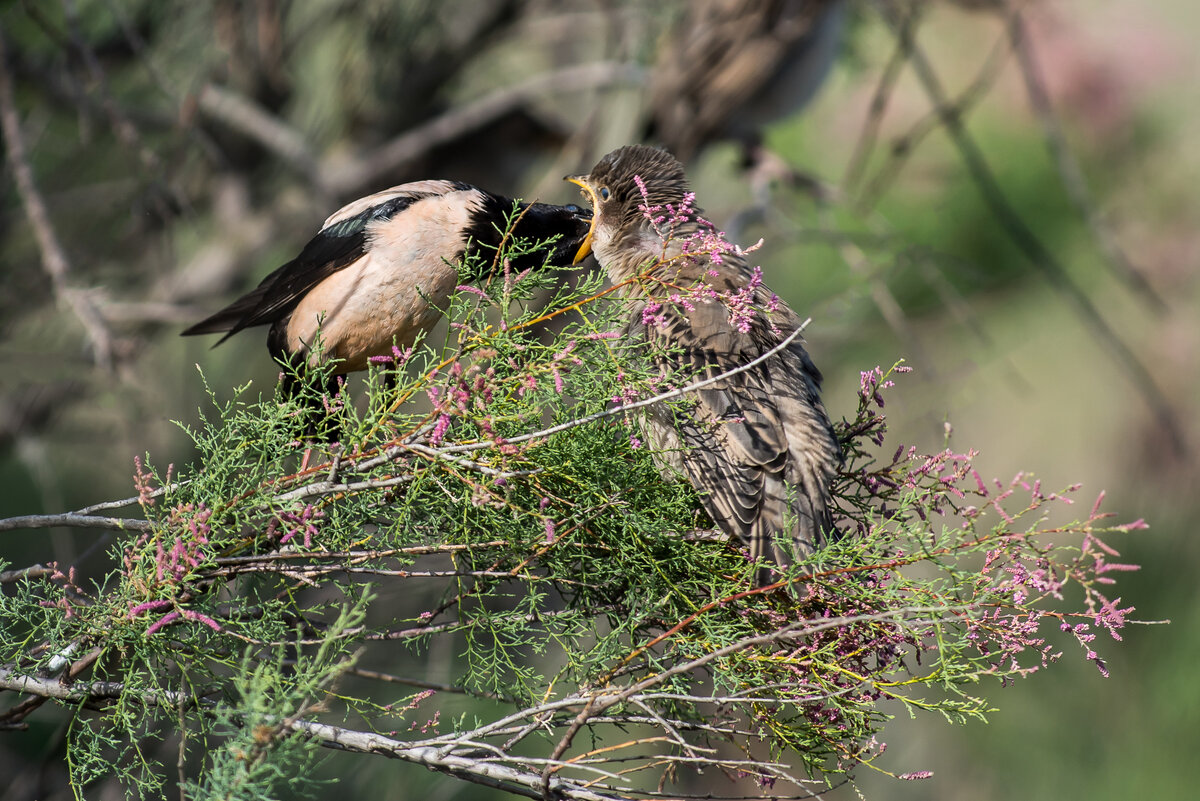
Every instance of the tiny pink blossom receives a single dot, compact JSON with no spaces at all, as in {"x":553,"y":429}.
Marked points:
{"x":439,"y":429}
{"x":474,"y":290}
{"x":165,"y":620}
{"x":147,"y":606}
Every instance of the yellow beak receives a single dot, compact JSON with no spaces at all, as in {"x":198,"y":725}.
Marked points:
{"x":590,"y":194}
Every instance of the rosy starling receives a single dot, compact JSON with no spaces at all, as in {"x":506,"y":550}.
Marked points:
{"x":382,"y":269}
{"x":757,"y":444}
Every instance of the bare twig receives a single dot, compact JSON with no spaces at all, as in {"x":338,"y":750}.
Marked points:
{"x":149,"y":311}
{"x":319,"y":488}
{"x":879,"y":101}
{"x":904,"y":146}
{"x":31,"y":572}
{"x":250,"y":119}
{"x":352,"y":176}
{"x":441,"y":453}
{"x":519,"y":782}
{"x":54,"y":259}
{"x":131,"y":501}
{"x":338,"y":176}
{"x":74,"y":520}
{"x":82,"y":691}
{"x":1069,"y":170}
{"x":126,"y":132}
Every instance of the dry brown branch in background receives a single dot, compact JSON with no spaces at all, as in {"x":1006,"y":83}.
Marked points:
{"x":54,"y":259}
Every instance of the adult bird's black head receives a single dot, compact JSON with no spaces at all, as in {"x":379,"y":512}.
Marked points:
{"x":756,"y":443}
{"x":381,"y":269}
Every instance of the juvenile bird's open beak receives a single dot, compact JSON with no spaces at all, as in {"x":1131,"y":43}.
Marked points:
{"x":586,"y":247}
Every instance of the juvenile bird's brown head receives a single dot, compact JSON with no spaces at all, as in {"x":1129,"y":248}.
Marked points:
{"x":618,"y":222}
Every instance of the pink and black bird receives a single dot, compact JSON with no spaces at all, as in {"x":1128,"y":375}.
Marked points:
{"x":382,"y":270}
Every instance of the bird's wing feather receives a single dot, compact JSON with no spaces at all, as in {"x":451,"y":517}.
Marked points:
{"x":732,"y":430}
{"x":743,"y":403}
{"x":757,"y":444}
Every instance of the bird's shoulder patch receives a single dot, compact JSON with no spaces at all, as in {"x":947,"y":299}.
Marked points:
{"x":388,"y":203}
{"x":349,"y":226}
{"x":354,"y":217}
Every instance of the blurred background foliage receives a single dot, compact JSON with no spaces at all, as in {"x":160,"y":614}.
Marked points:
{"x":183,"y":150}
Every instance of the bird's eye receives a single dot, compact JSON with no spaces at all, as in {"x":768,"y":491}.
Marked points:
{"x":571,"y":207}
{"x":604,"y":193}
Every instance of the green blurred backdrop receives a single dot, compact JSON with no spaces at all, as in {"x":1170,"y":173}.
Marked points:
{"x":167,"y":204}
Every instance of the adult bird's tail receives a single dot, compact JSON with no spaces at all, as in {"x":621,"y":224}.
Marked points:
{"x":230,"y":319}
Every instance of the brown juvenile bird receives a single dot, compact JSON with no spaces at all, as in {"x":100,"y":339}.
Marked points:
{"x":757,"y":445}
{"x":382,"y":269}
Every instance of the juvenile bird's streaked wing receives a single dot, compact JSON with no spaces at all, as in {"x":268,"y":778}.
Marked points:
{"x":757,"y":444}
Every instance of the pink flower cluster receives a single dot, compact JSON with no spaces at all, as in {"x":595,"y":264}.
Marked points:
{"x":170,"y":617}
{"x":631,"y":393}
{"x":301,"y":524}
{"x":398,"y":358}
{"x":467,"y":392}
{"x":412,"y":705}
{"x":70,"y":587}
{"x":186,"y":529}
{"x":699,"y":238}
{"x":180,"y":547}
{"x":1008,"y":607}
{"x":143,"y":481}
{"x":564,"y":360}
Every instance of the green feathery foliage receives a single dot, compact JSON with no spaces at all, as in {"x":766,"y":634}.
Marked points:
{"x":490,"y":500}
